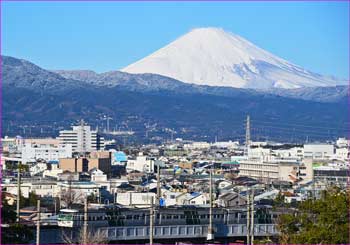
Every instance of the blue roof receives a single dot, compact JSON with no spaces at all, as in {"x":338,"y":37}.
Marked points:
{"x":120,"y":156}
{"x":194,"y":194}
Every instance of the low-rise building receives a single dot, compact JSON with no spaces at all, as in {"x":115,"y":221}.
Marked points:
{"x":76,"y":191}
{"x":137,"y":199}
{"x":231,"y":200}
{"x":141,"y":163}
{"x":196,"y":198}
{"x":318,"y":151}
{"x":43,"y":188}
{"x":32,"y":152}
{"x":197,"y":145}
{"x":37,"y":168}
{"x":97,"y":175}
{"x":332,"y":176}
{"x":342,"y":143}
{"x":84,"y":164}
{"x":342,"y":154}
{"x":276,"y":169}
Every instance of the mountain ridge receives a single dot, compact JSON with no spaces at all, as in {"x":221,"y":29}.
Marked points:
{"x":22,"y":73}
{"x":35,"y":96}
{"x":211,"y":56}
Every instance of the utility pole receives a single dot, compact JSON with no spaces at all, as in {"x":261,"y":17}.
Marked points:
{"x":151,"y":225}
{"x":248,"y":218}
{"x":85,"y":221}
{"x":55,"y":204}
{"x":18,"y":190}
{"x":158,"y":182}
{"x":210,"y":235}
{"x":247,"y":136}
{"x":38,"y":224}
{"x":252,"y":218}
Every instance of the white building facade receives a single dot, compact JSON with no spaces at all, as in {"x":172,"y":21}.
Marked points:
{"x":33,"y":152}
{"x":82,"y":138}
{"x":318,"y":151}
{"x":141,"y":163}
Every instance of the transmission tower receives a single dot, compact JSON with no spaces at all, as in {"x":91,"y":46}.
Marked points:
{"x":247,"y":135}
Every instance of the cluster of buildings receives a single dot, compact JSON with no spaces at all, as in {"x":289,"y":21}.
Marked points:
{"x":176,"y":174}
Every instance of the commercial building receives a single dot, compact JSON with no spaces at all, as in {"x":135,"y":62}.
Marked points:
{"x":43,"y":188}
{"x":332,"y":176}
{"x":32,"y":152}
{"x":84,"y":164}
{"x":277,"y":169}
{"x":82,"y":139}
{"x":318,"y":151}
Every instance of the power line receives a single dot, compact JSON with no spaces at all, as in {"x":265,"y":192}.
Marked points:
{"x":293,"y":130}
{"x":300,"y":125}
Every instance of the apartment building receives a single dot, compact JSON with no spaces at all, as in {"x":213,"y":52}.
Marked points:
{"x":82,"y":138}
{"x":275,"y":169}
{"x":47,"y":152}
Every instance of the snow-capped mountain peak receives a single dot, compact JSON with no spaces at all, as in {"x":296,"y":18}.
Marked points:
{"x":212,"y":56}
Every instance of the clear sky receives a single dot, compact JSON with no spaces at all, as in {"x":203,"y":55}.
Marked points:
{"x":105,"y":36}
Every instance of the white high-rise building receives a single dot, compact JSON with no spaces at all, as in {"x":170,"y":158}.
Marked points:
{"x":82,"y":138}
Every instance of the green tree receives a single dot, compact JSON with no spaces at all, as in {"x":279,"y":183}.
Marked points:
{"x":92,"y":198}
{"x":8,"y":214}
{"x":22,"y":200}
{"x":322,"y":221}
{"x":16,"y":234}
{"x":279,"y":200}
{"x":11,"y":232}
{"x":32,"y":199}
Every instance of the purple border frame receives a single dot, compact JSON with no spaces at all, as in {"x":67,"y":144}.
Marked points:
{"x":348,"y":181}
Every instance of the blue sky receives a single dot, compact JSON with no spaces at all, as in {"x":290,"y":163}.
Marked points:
{"x":105,"y":36}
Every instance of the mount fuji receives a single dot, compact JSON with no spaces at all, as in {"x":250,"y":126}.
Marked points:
{"x":211,"y":56}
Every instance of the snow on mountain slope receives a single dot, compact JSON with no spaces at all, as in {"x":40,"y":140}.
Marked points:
{"x":211,"y":56}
